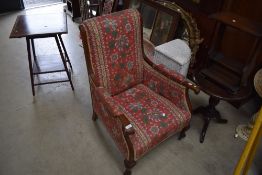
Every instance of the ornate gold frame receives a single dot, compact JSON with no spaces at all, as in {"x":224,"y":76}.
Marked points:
{"x":194,"y":38}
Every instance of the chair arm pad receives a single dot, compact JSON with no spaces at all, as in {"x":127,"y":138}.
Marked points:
{"x":173,"y":75}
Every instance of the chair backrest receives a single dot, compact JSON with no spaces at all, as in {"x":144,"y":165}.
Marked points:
{"x":113,"y":50}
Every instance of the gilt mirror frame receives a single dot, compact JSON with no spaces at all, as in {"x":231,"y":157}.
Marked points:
{"x":165,"y":22}
{"x":186,"y":26}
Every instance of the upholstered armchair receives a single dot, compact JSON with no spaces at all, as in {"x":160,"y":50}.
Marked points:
{"x":140,"y":104}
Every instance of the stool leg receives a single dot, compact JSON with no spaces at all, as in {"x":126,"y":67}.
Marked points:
{"x":30,"y":65}
{"x":33,"y":49}
{"x":66,"y":55}
{"x":64,"y":62}
{"x":34,"y":54}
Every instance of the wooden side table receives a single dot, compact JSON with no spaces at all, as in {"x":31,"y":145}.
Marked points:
{"x":43,"y":26}
{"x":224,"y":77}
{"x":216,"y":94}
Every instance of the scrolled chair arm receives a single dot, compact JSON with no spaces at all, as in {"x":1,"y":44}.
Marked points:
{"x":173,"y":75}
{"x":114,"y":109}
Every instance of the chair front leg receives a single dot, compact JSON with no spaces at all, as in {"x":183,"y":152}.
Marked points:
{"x":129,"y":164}
{"x":94,"y":116}
{"x":128,"y":130}
{"x":183,"y":132}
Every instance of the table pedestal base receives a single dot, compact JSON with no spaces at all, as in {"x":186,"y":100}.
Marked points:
{"x":209,"y":112}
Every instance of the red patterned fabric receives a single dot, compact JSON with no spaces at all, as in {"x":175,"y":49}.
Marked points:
{"x":162,"y":85}
{"x":100,"y":101}
{"x":153,"y":117}
{"x":106,"y":99}
{"x":114,"y":50}
{"x":121,"y":82}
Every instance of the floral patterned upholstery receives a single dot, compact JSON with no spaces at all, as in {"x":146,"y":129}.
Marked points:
{"x":140,"y":104}
{"x":153,"y":117}
{"x":114,"y":50}
{"x":106,"y":107}
{"x":171,"y":90}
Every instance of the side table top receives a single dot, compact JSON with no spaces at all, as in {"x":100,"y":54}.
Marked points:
{"x":39,"y":25}
{"x":215,"y":90}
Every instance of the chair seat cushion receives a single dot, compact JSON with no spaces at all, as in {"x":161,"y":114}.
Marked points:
{"x":153,"y":117}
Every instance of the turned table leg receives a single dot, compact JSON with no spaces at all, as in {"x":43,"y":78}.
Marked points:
{"x":209,"y":112}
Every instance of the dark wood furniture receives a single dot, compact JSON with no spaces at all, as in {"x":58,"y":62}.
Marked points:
{"x":233,"y":43}
{"x":236,"y":44}
{"x":233,"y":75}
{"x":225,"y":78}
{"x":72,"y":8}
{"x":12,"y":5}
{"x":216,"y":94}
{"x":240,"y":44}
{"x":43,"y":26}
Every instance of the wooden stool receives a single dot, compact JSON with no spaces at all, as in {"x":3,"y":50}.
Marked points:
{"x":44,"y":26}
